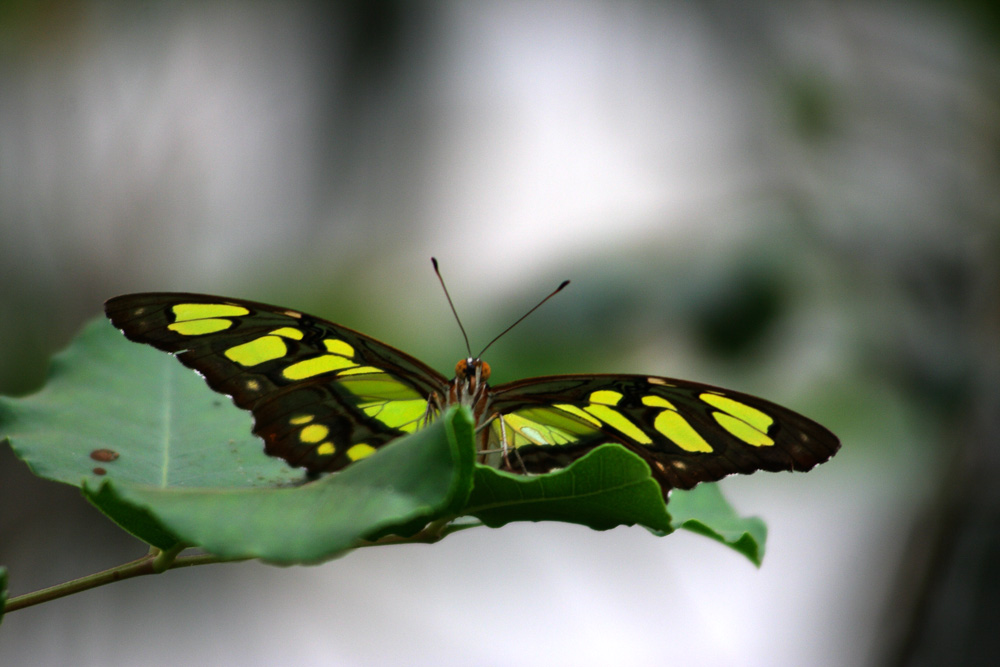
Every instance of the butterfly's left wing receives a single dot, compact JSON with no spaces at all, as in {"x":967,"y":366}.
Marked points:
{"x":687,"y":432}
{"x":321,"y":395}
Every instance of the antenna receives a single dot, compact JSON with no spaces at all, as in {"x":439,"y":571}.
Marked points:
{"x":454,"y":312}
{"x":537,"y":306}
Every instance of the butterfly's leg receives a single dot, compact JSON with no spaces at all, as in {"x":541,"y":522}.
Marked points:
{"x":505,"y":447}
{"x":433,"y":408}
{"x":484,"y":450}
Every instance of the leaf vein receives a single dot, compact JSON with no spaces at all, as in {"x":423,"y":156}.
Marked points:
{"x":166,"y":416}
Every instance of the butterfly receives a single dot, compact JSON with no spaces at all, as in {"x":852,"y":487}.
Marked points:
{"x":323,"y":396}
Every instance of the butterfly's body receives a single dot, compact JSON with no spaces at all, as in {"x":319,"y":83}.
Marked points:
{"x":323,"y":395}
{"x":468,"y":387}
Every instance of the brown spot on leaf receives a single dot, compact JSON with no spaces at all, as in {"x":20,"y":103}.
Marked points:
{"x":100,"y":471}
{"x":104,"y":455}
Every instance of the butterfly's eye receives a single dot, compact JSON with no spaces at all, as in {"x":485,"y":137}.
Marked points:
{"x":467,"y":368}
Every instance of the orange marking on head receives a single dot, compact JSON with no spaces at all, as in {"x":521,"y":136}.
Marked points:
{"x":467,"y":368}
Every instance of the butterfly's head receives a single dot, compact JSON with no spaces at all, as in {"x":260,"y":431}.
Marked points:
{"x":470,"y":368}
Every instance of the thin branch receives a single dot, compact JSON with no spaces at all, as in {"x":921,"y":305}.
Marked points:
{"x":148,"y":564}
{"x":158,"y":561}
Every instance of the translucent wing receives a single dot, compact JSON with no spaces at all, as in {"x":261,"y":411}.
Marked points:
{"x":321,"y":395}
{"x":687,"y":432}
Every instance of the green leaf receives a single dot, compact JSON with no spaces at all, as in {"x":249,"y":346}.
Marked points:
{"x":3,"y":591}
{"x":412,"y":480}
{"x":107,"y":398}
{"x":608,"y":487}
{"x":705,"y":511}
{"x":132,"y":518}
{"x":172,"y":461}
{"x":124,"y":412}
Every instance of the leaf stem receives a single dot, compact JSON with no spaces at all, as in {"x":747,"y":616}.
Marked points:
{"x":152,"y":563}
{"x":433,"y":532}
{"x":157,"y":561}
{"x":163,"y":560}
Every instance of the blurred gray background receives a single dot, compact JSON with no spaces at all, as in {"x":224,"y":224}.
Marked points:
{"x":793,"y":199}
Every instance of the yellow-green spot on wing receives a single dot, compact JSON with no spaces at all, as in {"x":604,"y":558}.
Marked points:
{"x":605,"y":397}
{"x":545,"y":425}
{"x":326,"y":449}
{"x":257,"y":351}
{"x":316,"y":366}
{"x":520,"y":431}
{"x":559,"y":420}
{"x":200,"y":327}
{"x":360,"y":451}
{"x":360,"y":370}
{"x":199,"y":311}
{"x":752,"y":416}
{"x":654,"y":401}
{"x":742,"y":430}
{"x":677,"y":429}
{"x":314,"y":433}
{"x":404,"y":415}
{"x":378,"y":386}
{"x":613,"y":418}
{"x":335,"y":346}
{"x":288,"y":332}
{"x":577,"y":412}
